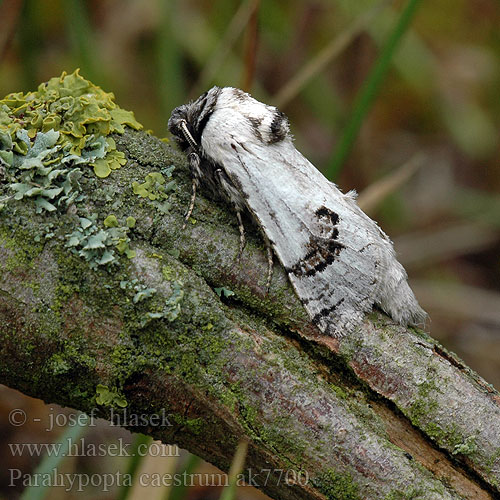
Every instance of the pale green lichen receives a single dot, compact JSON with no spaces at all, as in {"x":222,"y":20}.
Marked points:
{"x":142,"y":292}
{"x":467,"y":447}
{"x":156,"y":188}
{"x":76,"y":109}
{"x":97,"y":246}
{"x":50,"y":140}
{"x":46,"y":172}
{"x":109,"y":397}
{"x":223,"y":291}
{"x":171,"y":308}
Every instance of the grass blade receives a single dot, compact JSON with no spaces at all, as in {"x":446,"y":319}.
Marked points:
{"x":370,"y":89}
{"x":11,"y":16}
{"x":51,"y":462}
{"x":376,"y":192}
{"x":234,"y":30}
{"x":229,"y":493}
{"x":29,"y":44}
{"x":251,"y":44}
{"x":180,"y":492}
{"x":326,"y":55}
{"x":81,"y":38}
{"x":171,"y":85}
{"x":141,"y":441}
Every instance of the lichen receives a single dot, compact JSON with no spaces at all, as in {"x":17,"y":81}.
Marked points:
{"x":97,"y":245}
{"x":223,"y":291}
{"x":467,"y":447}
{"x":156,"y":188}
{"x":171,"y":308}
{"x":52,"y":140}
{"x":78,"y":111}
{"x":109,"y":397}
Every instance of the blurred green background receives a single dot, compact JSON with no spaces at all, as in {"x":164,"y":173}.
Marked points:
{"x":425,"y":161}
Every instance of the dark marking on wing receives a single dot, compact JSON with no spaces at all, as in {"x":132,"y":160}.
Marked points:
{"x":201,"y":126}
{"x":322,"y":251}
{"x":239,"y":94}
{"x":326,"y":311}
{"x":329,"y":214}
{"x":279,"y":127}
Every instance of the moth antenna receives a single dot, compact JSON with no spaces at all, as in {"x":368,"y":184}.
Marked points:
{"x":187,"y":134}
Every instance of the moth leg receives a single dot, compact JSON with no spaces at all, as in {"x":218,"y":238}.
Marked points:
{"x":269,"y":252}
{"x":191,"y":204}
{"x":194,"y":162}
{"x":241,"y":227}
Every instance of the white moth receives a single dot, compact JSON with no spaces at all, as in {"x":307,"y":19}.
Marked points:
{"x":338,"y":260}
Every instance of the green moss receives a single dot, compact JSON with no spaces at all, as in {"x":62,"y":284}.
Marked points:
{"x":337,"y":486}
{"x":425,"y":405}
{"x":492,"y":461}
{"x":23,"y":249}
{"x":278,"y":435}
{"x":410,"y":494}
{"x":59,"y":364}
{"x":435,"y":432}
{"x":193,"y":425}
{"x":339,"y":391}
{"x":451,"y":438}
{"x":420,"y":409}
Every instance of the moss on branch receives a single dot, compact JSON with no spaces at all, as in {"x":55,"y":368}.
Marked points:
{"x":107,"y":305}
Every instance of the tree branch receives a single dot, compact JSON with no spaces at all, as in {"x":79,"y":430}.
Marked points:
{"x":383,"y":412}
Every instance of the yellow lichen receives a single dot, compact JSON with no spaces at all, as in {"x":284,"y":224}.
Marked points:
{"x":72,"y":106}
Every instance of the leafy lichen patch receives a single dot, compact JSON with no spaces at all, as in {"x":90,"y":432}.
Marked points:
{"x":52,"y":142}
{"x":97,"y":245}
{"x":75,"y":113}
{"x":109,"y":397}
{"x":156,"y":187}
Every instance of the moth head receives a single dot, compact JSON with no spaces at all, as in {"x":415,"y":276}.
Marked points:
{"x":188,"y":121}
{"x":181,"y":128}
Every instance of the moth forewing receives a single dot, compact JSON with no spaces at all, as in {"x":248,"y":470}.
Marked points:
{"x":338,"y":260}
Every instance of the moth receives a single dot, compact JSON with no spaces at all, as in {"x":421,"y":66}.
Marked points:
{"x":338,"y":260}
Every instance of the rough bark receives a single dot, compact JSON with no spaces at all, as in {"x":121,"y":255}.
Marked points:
{"x":383,"y":413}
